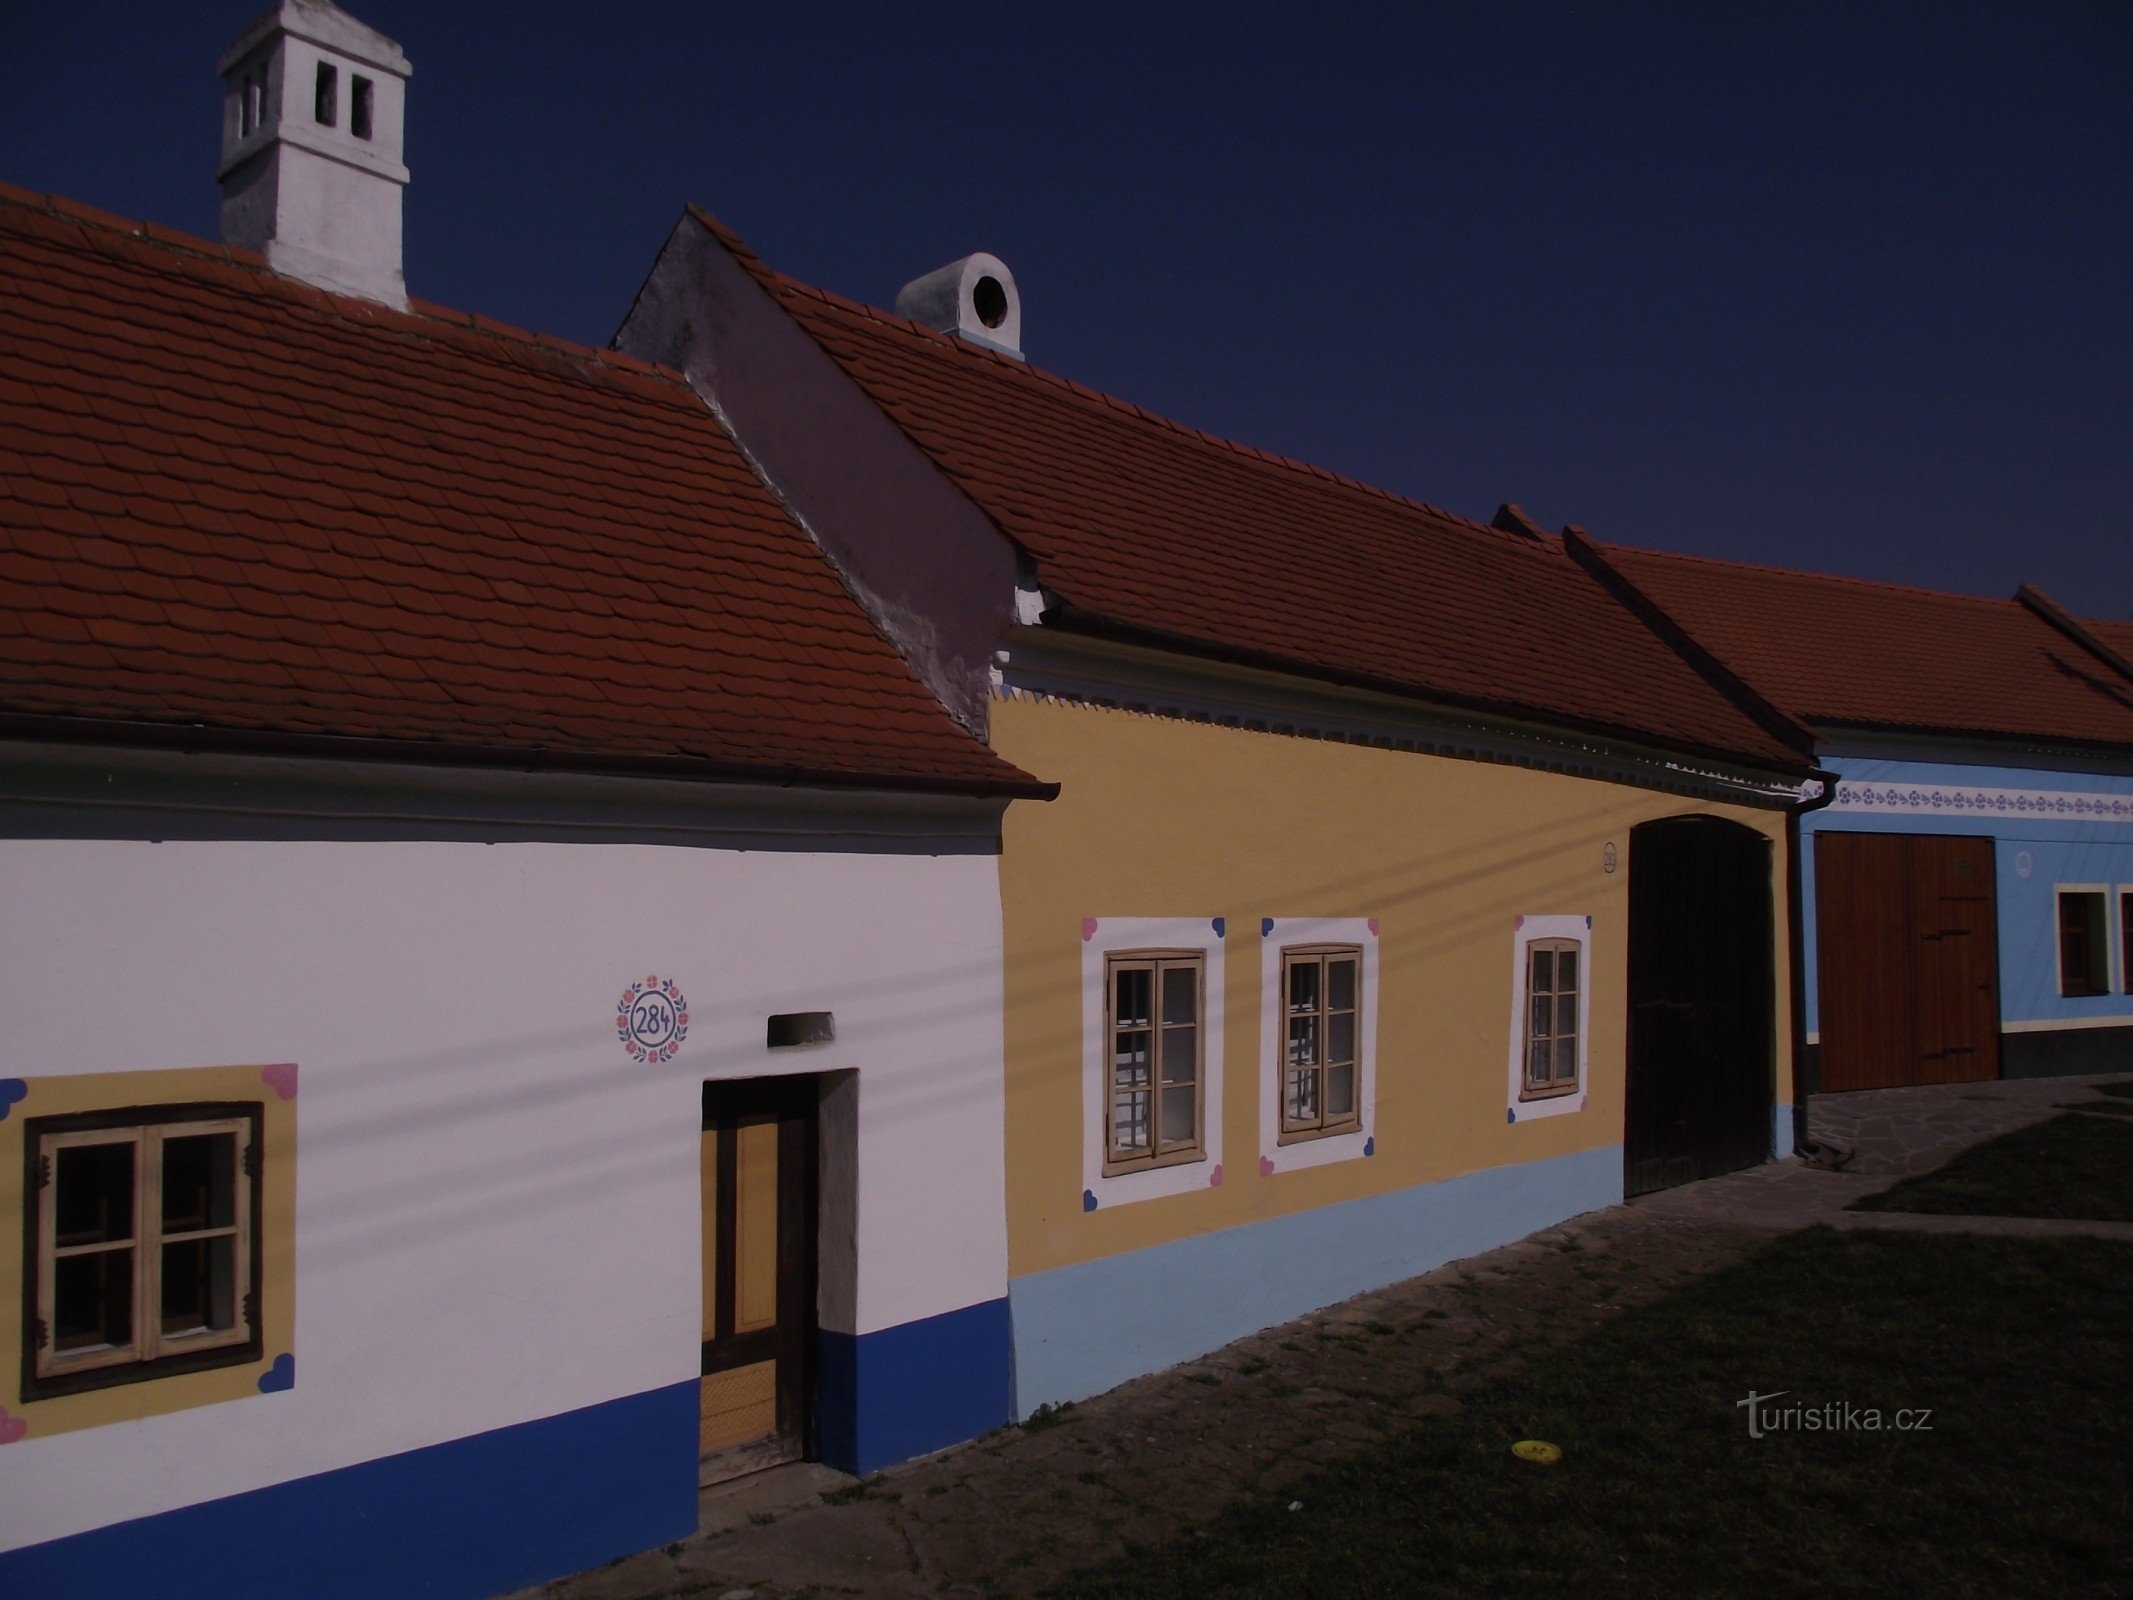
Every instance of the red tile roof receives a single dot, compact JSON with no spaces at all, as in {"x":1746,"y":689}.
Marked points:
{"x":233,"y":501}
{"x":1844,"y":652}
{"x":1217,"y":546}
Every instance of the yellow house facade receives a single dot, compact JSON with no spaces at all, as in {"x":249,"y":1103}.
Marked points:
{"x":1407,"y":889}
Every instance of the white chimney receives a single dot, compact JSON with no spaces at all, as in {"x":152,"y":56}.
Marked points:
{"x":311,"y":141}
{"x":973,"y":298}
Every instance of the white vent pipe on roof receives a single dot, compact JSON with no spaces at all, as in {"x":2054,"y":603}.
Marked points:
{"x":974,"y":298}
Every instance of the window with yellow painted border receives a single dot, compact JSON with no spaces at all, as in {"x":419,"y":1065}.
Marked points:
{"x":147,"y":1234}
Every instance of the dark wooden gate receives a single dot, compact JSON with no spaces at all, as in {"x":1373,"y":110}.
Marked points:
{"x":1907,"y":959}
{"x":1702,"y":1002}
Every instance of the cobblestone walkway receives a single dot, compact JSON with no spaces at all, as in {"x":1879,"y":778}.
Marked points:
{"x":1010,"y":1512}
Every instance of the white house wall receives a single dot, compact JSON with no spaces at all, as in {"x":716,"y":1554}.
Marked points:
{"x":497,"y":1216}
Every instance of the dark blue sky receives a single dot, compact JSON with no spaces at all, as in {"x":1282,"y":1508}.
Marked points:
{"x":1847,"y":287}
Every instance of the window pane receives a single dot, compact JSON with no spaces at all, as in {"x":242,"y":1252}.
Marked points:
{"x":1129,"y":1121}
{"x":1537,"y":1061}
{"x":1303,"y":986}
{"x":1340,"y":1037}
{"x":200,"y":1286}
{"x":1129,"y":1060}
{"x":1132,"y":996}
{"x":1340,"y":1091}
{"x":1302,"y":1097}
{"x":1180,"y":1054}
{"x":1543,"y":1015}
{"x":1303,"y":1041}
{"x":1566,"y":1059}
{"x":1543,"y":971}
{"x":1340,"y":985}
{"x":1181,"y":994}
{"x":1178,"y":1114}
{"x":94,"y":1202}
{"x":92,"y":1301}
{"x":199,"y":1182}
{"x":1566,"y":969}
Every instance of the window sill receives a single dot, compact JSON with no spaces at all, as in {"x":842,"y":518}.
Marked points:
{"x":1174,"y":1158}
{"x":1555,"y":1091}
{"x":111,"y":1377}
{"x":1307,"y":1135}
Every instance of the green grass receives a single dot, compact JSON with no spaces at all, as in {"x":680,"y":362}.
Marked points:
{"x":2072,"y":1166}
{"x":2023,"y":1485}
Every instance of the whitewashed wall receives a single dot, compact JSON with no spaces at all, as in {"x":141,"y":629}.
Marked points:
{"x":497,"y":1208}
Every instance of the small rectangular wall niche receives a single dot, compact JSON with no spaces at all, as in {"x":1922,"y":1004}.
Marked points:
{"x":359,"y":106}
{"x":325,"y":100}
{"x":788,"y":1028}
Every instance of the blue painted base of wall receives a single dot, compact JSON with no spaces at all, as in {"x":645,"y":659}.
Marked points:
{"x":478,"y":1516}
{"x":1083,"y":1329}
{"x":886,"y":1396}
{"x":1781,"y":1126}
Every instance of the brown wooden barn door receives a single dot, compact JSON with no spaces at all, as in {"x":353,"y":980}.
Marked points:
{"x":1907,"y":935}
{"x":758,"y":1160}
{"x":1956,"y":925}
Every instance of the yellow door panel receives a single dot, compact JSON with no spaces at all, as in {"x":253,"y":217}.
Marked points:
{"x":755,"y":1227}
{"x":738,"y":1406}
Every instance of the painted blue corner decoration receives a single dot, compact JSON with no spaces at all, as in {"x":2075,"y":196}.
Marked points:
{"x":1088,"y":1200}
{"x":1588,"y":924}
{"x":1370,"y":1145}
{"x":1510,"y":1113}
{"x":280,"y":1376}
{"x":1221,"y":927}
{"x":11,"y":1090}
{"x":1266,"y":927}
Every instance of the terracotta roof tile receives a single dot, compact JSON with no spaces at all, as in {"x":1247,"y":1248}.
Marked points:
{"x":1845,"y":652}
{"x":1160,"y":527}
{"x":232,"y":500}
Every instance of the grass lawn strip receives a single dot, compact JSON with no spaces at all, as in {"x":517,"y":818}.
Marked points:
{"x":2075,"y":1165}
{"x":2022,"y":1485}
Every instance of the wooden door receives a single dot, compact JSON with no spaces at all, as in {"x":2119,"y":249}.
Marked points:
{"x":1907,"y":960}
{"x":758,"y":1159}
{"x":1702,"y":1002}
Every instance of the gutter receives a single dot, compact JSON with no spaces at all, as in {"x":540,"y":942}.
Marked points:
{"x":1796,"y":946}
{"x":1068,"y":617}
{"x":188,"y":738}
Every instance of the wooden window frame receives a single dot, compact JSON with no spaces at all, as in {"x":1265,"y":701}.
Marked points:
{"x":151,"y":1353}
{"x":1295,"y":1130}
{"x":2099,"y":965}
{"x":1552,"y":1088}
{"x":2125,"y":940}
{"x":1179,"y":1152}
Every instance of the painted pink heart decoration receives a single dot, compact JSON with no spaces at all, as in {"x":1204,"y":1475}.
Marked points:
{"x":281,"y":1078}
{"x":1373,"y":927}
{"x":12,"y":1428}
{"x":1266,"y":1166}
{"x":1088,"y":929}
{"x":1214,"y":1178}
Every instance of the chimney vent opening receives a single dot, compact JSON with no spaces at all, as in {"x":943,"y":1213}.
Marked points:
{"x":325,"y":107}
{"x":973,"y":298}
{"x":359,"y":106}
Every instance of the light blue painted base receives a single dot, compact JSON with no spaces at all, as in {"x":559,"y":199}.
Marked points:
{"x":1781,"y":1131}
{"x":477,"y":1516}
{"x":1083,"y":1329}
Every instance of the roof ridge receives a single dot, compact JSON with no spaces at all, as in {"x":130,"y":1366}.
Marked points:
{"x":1773,"y":569}
{"x":420,"y":311}
{"x":1029,"y":371}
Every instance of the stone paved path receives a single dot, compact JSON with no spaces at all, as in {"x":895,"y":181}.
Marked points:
{"x":1010,"y":1512}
